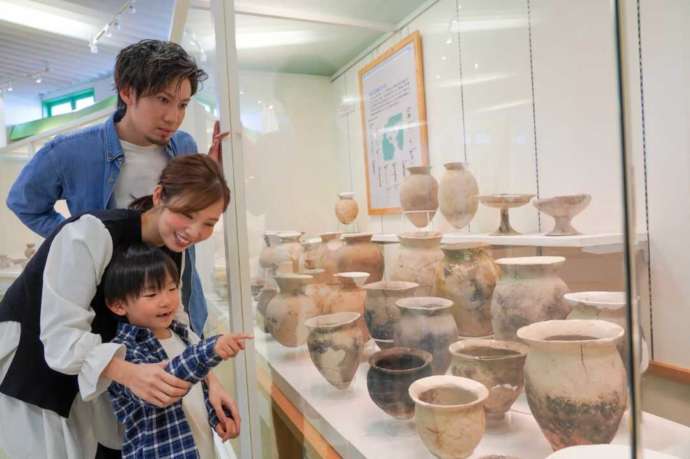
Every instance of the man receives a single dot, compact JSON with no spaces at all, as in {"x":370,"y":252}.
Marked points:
{"x":109,"y":165}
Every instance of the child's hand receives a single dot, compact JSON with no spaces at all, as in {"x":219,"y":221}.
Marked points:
{"x":227,"y":430}
{"x":229,"y":345}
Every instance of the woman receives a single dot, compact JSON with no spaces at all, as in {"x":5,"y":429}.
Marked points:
{"x":55,"y":357}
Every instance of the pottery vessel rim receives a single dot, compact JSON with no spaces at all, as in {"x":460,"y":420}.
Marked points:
{"x":422,"y":385}
{"x":458,"y":246}
{"x":287,"y":235}
{"x":312,"y":241}
{"x":610,"y":451}
{"x":565,"y":199}
{"x":531,"y":261}
{"x":419,"y":169}
{"x":456,"y":165}
{"x":333,"y":321}
{"x":392,"y":286}
{"x":420,"y":236}
{"x":312,"y":272}
{"x":346,"y":195}
{"x":329,"y":235}
{"x":603,"y":333}
{"x":424,"y":303}
{"x":355,"y":237}
{"x":354,"y":275}
{"x":425,"y":356}
{"x":605,"y":300}
{"x":456,"y":349}
{"x":505,"y":199}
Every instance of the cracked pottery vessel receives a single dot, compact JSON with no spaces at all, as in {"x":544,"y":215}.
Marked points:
{"x":419,"y":259}
{"x":335,"y":344}
{"x":528,"y":291}
{"x":349,"y":296}
{"x":609,"y":306}
{"x":346,"y":208}
{"x":391,"y":372}
{"x":326,"y":253}
{"x":427,"y":324}
{"x":468,"y":277}
{"x":575,"y":380}
{"x":380,"y":311}
{"x":419,"y":195}
{"x":562,"y":209}
{"x":449,"y":414}
{"x":360,"y":254}
{"x":499,"y":365}
{"x":288,"y":253}
{"x":503,"y":202}
{"x":289,"y":309}
{"x":458,"y":194}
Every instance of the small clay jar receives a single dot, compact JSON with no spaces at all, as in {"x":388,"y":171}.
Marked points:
{"x":419,"y":195}
{"x":289,"y":309}
{"x":346,"y":208}
{"x":419,"y":258}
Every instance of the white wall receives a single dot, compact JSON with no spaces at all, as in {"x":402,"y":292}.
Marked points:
{"x":21,"y":109}
{"x":102,"y":88}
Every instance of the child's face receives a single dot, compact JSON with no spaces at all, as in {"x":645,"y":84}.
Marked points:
{"x":154,"y":309}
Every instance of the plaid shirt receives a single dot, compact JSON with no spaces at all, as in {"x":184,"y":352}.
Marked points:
{"x":152,"y":432}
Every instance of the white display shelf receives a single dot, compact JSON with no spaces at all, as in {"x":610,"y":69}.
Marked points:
{"x":356,"y":428}
{"x":596,"y":243}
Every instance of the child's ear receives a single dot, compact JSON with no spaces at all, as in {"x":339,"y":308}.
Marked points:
{"x":117,"y":307}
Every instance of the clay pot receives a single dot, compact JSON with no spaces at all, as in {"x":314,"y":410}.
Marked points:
{"x":458,"y":194}
{"x":575,"y":380}
{"x":326,"y":253}
{"x":289,"y":309}
{"x":419,"y":258}
{"x":391,"y":372}
{"x":318,"y":289}
{"x":419,"y":195}
{"x":268,"y":291}
{"x":426,"y":323}
{"x":310,"y":253}
{"x":562,"y":209}
{"x":449,"y":414}
{"x":348,"y":296}
{"x":346,"y":208}
{"x":468,"y":277}
{"x":29,"y":250}
{"x":359,"y":254}
{"x":496,"y":364}
{"x":266,"y":257}
{"x":288,"y":252}
{"x":528,"y":291}
{"x":380,"y":311}
{"x":335,"y":345}
{"x":609,"y":306}
{"x":503,"y":202}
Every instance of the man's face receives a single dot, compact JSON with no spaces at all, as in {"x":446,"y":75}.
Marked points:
{"x":154,"y":118}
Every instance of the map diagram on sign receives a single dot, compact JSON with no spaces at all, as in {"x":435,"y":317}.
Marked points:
{"x":393,"y":136}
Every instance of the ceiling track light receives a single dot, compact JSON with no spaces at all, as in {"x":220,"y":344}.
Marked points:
{"x":115,"y":23}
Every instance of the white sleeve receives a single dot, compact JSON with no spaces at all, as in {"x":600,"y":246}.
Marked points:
{"x":76,"y":261}
{"x":181,"y":316}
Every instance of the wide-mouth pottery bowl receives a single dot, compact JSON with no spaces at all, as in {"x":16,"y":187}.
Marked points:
{"x":505,"y":202}
{"x":562,"y":209}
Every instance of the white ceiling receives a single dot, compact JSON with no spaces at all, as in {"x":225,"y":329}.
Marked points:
{"x":327,"y":35}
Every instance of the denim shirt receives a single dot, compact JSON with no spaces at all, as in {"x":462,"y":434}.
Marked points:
{"x":82,"y":168}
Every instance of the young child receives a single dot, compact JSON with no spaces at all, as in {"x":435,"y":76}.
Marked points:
{"x":141,"y":286}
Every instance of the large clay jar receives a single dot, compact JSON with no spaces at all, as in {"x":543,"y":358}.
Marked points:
{"x":289,"y":309}
{"x":267,"y":255}
{"x":335,"y":346}
{"x":359,"y":254}
{"x":609,"y":306}
{"x":310,"y":253}
{"x":288,"y":253}
{"x":346,"y":208}
{"x":391,"y":372}
{"x":499,"y":365}
{"x":419,"y":258}
{"x":449,"y":414}
{"x":267,"y":293}
{"x":380,"y":311}
{"x":326,"y":254}
{"x":419,"y":195}
{"x":528,"y":291}
{"x":348,"y":296}
{"x":426,"y":323}
{"x":318,"y":289}
{"x":575,"y":380}
{"x":458,"y":194}
{"x":468,"y":277}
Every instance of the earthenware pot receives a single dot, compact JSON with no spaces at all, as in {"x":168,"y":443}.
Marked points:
{"x":426,"y":323}
{"x":391,"y":372}
{"x":268,"y":291}
{"x":419,"y":195}
{"x":346,"y":208}
{"x":380,"y":311}
{"x":503,"y":202}
{"x":310,"y":253}
{"x":562,"y":209}
{"x":289,"y":309}
{"x":359,"y":254}
{"x":266,"y":257}
{"x":348,"y":296}
{"x":449,"y":414}
{"x":335,"y":345}
{"x":318,"y":289}
{"x":468,"y":277}
{"x":326,"y":253}
{"x":528,"y":291}
{"x":418,"y":260}
{"x":458,"y":194}
{"x":289,"y":251}
{"x":575,"y":380}
{"x":496,"y":364}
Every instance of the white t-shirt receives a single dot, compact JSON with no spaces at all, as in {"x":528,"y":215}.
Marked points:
{"x":193,"y":404}
{"x":139,"y":173}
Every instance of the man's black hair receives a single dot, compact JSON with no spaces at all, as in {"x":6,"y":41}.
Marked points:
{"x":135,"y":269}
{"x":148,"y":66}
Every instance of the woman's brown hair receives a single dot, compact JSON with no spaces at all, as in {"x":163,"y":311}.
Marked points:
{"x":189,"y":183}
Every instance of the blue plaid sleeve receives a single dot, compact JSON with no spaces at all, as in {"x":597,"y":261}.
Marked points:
{"x":196,"y":361}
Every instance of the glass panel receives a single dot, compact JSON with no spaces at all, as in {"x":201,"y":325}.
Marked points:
{"x":528,"y":229}
{"x":84,"y":102}
{"x":59,"y":109}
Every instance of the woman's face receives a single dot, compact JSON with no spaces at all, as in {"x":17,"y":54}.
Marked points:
{"x":179,"y":230}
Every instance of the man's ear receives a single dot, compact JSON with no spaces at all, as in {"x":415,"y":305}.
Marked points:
{"x":128,"y":95}
{"x":117,"y":307}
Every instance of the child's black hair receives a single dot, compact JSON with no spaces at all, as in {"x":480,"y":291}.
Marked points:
{"x":136,"y":268}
